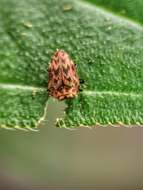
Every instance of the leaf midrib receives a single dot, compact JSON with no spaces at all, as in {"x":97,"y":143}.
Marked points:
{"x":85,"y":92}
{"x":113,"y":93}
{"x":21,"y":87}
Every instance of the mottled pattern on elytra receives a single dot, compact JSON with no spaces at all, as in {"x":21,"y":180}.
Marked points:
{"x":63,"y":80}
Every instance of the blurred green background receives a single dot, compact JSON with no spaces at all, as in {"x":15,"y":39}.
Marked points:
{"x":53,"y":158}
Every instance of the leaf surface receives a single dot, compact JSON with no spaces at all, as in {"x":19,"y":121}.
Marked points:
{"x":107,"y":49}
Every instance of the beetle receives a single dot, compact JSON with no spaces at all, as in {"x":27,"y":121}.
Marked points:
{"x":63,"y":80}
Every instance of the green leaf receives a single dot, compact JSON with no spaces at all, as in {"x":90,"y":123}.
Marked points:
{"x":108,"y":50}
{"x":131,"y":9}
